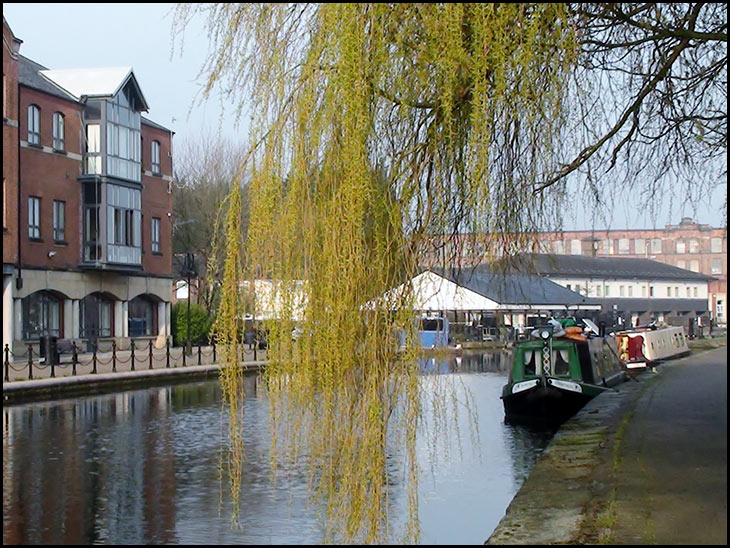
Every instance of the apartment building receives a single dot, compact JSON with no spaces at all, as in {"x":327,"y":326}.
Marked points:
{"x":87,"y":239}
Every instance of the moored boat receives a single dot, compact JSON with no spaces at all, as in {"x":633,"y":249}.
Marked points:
{"x":645,"y":346}
{"x":555,"y":373}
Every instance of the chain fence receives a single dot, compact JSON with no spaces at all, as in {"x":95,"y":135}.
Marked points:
{"x":70,"y":360}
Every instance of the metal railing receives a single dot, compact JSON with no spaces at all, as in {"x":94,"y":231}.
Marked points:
{"x":140,"y":354}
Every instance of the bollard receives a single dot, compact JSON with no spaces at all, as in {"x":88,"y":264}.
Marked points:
{"x":75,"y":358}
{"x":7,"y":363}
{"x":150,"y":354}
{"x":30,"y":362}
{"x":200,"y":355}
{"x":93,"y":358}
{"x":114,"y":356}
{"x":167,"y":353}
{"x":214,"y":355}
{"x":131,"y":359}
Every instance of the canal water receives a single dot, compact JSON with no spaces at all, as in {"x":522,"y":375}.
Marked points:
{"x":142,"y":467}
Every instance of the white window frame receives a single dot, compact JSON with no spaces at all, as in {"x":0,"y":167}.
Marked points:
{"x":34,"y":217}
{"x":59,"y":131}
{"x":34,"y":125}
{"x":59,"y":220}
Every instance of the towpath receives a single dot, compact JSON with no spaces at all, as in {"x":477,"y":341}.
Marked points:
{"x":646,"y":464}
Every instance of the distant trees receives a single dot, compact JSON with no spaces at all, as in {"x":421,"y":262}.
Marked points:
{"x":205,"y":170}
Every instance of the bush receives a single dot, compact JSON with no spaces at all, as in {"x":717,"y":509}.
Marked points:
{"x":200,"y":324}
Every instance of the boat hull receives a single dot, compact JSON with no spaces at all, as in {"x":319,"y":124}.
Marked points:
{"x":547,"y":402}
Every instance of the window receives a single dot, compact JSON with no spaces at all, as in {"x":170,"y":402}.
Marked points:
{"x":607,"y":291}
{"x":681,"y":264}
{"x":124,"y":224}
{"x":123,"y":136}
{"x":620,"y":291}
{"x":93,"y":149}
{"x":155,"y":235}
{"x":575,"y":247}
{"x":669,"y":291}
{"x":34,"y":125}
{"x":694,"y":266}
{"x":34,"y":217}
{"x":41,"y":315}
{"x":694,"y":246}
{"x":631,"y":291}
{"x":681,"y":246}
{"x":640,"y":247}
{"x":651,"y":291}
{"x":59,"y":220}
{"x":656,"y":246}
{"x":716,"y":267}
{"x":96,"y":316}
{"x":695,"y":291}
{"x":155,"y":157}
{"x":142,"y":317}
{"x":607,"y":245}
{"x":623,"y":246}
{"x":58,"y":132}
{"x":676,"y":292}
{"x":716,"y":245}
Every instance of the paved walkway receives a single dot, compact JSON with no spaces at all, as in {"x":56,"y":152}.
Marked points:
{"x":671,"y":479}
{"x":646,"y":464}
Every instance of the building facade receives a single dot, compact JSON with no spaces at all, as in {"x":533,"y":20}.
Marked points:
{"x":90,"y":236}
{"x":632,"y":291}
{"x":688,"y":245}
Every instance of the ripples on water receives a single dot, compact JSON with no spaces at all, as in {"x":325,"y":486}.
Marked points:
{"x":142,"y":467}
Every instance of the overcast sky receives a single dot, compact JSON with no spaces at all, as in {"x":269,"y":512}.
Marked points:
{"x":62,"y":36}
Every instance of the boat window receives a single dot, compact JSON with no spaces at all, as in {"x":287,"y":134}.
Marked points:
{"x":561,"y":362}
{"x":529,"y":360}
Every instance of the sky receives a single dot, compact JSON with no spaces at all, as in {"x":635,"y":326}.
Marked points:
{"x":62,"y":36}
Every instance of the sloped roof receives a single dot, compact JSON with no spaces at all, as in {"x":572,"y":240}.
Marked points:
{"x":698,"y":306}
{"x":603,"y":267}
{"x":29,"y":75}
{"x":96,"y":82}
{"x":514,"y":288}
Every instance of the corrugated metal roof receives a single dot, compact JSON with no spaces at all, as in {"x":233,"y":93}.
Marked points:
{"x":698,"y":306}
{"x":603,"y":267}
{"x":514,"y":288}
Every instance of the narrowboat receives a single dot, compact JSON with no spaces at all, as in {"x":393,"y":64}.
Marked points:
{"x":645,"y":346}
{"x":434,"y":332}
{"x":556,"y":372}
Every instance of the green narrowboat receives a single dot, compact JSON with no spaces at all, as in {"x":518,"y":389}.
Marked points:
{"x":555,"y":374}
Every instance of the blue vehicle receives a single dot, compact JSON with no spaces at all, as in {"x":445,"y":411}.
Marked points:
{"x":434,"y":332}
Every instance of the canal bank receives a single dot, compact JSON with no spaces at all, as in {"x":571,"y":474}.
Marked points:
{"x":103,"y":383}
{"x":643,"y":464}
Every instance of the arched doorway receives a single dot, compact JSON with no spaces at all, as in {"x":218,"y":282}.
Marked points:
{"x":142,"y":313}
{"x":96,"y":316}
{"x":42,"y":315}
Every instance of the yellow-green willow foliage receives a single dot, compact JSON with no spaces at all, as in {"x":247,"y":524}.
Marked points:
{"x":378,"y":130}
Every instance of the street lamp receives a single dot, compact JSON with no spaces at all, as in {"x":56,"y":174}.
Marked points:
{"x":189,"y":270}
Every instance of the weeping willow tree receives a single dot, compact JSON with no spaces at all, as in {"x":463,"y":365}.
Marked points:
{"x":381,"y":132}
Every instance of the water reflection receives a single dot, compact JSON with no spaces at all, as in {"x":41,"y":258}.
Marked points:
{"x":143,"y":467}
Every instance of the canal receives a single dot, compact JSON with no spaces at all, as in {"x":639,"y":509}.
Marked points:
{"x":143,"y":467}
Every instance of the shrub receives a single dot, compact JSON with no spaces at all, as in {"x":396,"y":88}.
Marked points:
{"x":200,"y":324}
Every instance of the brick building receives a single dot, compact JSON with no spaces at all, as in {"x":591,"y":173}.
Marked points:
{"x":688,"y":245}
{"x":87,"y":240}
